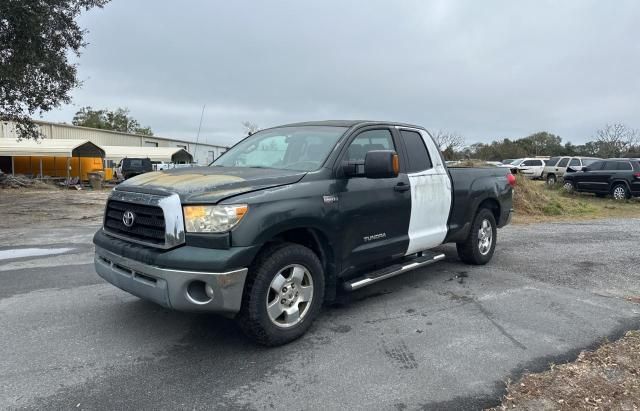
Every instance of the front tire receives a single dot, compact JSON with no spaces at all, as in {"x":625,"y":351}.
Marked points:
{"x":568,"y":187}
{"x":283,"y":294}
{"x":480,"y":245}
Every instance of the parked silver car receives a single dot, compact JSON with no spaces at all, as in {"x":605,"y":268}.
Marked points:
{"x":557,"y":167}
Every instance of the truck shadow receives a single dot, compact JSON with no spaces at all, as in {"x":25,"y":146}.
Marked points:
{"x":209,"y":332}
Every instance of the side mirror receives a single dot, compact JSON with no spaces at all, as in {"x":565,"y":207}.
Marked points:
{"x":376,"y":164}
{"x":381,"y":164}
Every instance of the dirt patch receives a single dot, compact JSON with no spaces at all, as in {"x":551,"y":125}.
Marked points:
{"x":535,"y":201}
{"x":50,"y":208}
{"x":605,"y":379}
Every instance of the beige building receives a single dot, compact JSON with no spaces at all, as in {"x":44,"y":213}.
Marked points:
{"x":202,"y":154}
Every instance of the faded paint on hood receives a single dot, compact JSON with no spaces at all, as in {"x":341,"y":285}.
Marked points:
{"x":210,"y":184}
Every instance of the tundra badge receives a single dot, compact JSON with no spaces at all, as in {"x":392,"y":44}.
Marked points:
{"x":372,"y":237}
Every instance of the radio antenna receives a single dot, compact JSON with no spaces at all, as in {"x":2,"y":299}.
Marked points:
{"x":198,"y":135}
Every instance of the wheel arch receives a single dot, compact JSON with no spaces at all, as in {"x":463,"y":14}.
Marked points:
{"x":619,"y":181}
{"x":317,"y":241}
{"x":491,"y":204}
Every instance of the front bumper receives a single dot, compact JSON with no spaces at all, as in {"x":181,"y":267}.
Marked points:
{"x":219,"y":292}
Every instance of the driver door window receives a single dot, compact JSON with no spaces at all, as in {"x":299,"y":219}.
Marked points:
{"x":368,"y":141}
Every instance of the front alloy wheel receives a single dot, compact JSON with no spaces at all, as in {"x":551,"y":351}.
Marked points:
{"x":283,"y":294}
{"x":290,"y":296}
{"x":568,"y":186}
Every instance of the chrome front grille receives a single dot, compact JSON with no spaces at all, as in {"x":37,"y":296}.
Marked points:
{"x":153,"y":220}
{"x":148,"y":224}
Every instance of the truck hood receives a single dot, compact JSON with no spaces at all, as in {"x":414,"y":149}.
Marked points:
{"x":209,"y":184}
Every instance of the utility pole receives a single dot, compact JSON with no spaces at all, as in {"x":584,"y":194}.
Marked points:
{"x":195,"y":149}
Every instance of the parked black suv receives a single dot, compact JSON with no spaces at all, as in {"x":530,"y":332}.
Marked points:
{"x":131,"y":167}
{"x":619,"y":177}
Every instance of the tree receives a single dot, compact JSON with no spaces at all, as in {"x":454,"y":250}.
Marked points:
{"x":448,"y":140}
{"x":118,"y":120}
{"x":250,"y":127}
{"x":449,"y":143}
{"x":541,"y":144}
{"x":37,"y":38}
{"x":615,"y":139}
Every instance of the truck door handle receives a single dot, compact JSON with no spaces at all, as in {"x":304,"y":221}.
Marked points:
{"x":400,"y":187}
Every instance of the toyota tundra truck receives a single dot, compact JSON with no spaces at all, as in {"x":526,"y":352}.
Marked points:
{"x":292,"y":215}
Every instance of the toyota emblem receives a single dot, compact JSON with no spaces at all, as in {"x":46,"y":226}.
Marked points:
{"x":128,"y":218}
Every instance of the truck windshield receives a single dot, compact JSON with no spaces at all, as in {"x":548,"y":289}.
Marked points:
{"x":303,"y":148}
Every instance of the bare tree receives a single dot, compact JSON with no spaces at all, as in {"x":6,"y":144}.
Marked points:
{"x":250,"y":127}
{"x":615,"y":139}
{"x":448,"y":142}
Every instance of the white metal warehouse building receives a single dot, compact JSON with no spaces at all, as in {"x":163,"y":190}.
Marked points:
{"x":202,"y":154}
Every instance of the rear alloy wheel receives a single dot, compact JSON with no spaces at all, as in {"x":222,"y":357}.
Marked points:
{"x":620,"y":192}
{"x":551,"y":179}
{"x":283,"y":294}
{"x":479,"y":246}
{"x":568,"y":186}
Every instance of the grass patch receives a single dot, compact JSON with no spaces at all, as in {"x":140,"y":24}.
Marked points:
{"x":535,"y":201}
{"x":605,"y":379}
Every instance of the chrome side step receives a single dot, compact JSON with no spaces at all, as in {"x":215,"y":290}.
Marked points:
{"x":422,"y":260}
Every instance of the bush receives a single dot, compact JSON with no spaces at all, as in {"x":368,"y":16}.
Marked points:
{"x":533,"y":198}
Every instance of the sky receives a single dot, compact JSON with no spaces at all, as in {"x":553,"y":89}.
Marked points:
{"x":486,"y":70}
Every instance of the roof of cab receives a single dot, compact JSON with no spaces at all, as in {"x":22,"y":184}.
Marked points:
{"x":349,"y":123}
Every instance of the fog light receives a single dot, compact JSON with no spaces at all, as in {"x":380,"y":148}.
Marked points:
{"x":199,"y":292}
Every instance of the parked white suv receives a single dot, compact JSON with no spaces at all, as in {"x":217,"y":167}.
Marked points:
{"x":531,"y":167}
{"x":557,"y":167}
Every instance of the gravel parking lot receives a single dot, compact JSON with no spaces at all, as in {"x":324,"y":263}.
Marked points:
{"x":444,"y":337}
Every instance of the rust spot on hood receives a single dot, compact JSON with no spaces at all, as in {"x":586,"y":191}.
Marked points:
{"x":183,"y":182}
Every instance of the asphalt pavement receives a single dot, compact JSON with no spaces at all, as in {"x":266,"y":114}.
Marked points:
{"x":444,"y":337}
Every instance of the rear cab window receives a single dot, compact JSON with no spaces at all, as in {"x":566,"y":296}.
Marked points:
{"x":418,"y":158}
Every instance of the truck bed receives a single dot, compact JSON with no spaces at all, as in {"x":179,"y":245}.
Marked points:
{"x":471,"y":187}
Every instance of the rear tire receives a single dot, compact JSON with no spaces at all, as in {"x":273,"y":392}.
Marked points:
{"x":480,"y":245}
{"x":620,"y":192}
{"x":551,"y":179}
{"x":273,"y":311}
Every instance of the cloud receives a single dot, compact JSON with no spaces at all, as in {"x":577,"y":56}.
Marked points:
{"x":487,"y":69}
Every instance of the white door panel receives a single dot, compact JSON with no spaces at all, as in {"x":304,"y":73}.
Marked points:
{"x":430,"y":205}
{"x":430,"y":202}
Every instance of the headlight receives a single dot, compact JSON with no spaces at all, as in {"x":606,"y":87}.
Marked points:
{"x":213,"y":219}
